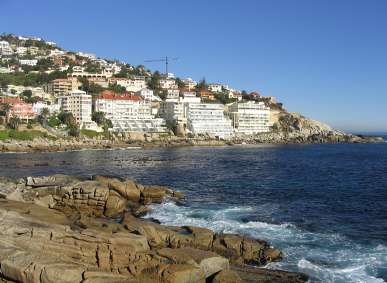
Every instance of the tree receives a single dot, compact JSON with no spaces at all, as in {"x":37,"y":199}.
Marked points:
{"x":245,"y":95}
{"x":27,"y":93}
{"x":90,"y":88}
{"x":67,"y":118}
{"x":202,"y":85}
{"x":180,"y":83}
{"x":154,"y":82}
{"x":117,"y":88}
{"x":42,"y":118}
{"x":14,"y":123}
{"x":74,"y":130}
{"x":4,"y":108}
{"x":98,"y":117}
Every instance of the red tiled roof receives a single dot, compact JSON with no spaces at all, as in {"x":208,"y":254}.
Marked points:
{"x":107,"y":94}
{"x":10,"y":100}
{"x":254,"y":93}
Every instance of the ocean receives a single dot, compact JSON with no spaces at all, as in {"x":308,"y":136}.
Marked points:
{"x":324,"y":206}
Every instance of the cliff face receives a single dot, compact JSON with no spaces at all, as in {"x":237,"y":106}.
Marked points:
{"x":295,"y":128}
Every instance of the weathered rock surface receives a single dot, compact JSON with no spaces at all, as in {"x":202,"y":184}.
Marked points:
{"x":294,"y":128}
{"x":64,"y":229}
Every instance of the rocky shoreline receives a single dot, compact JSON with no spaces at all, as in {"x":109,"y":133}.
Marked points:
{"x":65,"y":229}
{"x":49,"y":145}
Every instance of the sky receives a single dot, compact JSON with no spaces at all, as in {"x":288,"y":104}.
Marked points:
{"x":326,"y":59}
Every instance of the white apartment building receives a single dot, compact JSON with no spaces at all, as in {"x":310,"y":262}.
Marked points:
{"x":87,"y":55}
{"x":250,"y":118}
{"x":79,"y":72}
{"x":215,"y":87}
{"x":148,"y":95}
{"x":5,"y":48}
{"x":174,"y":110}
{"x":173,"y":93}
{"x":5,"y":70}
{"x":208,"y":118}
{"x":167,"y":83}
{"x":39,"y":106}
{"x":80,"y":105}
{"x":56,"y":52}
{"x":33,"y":50}
{"x":189,"y":83}
{"x":136,"y":84}
{"x":21,"y":50}
{"x":31,"y":62}
{"x":128,"y":113}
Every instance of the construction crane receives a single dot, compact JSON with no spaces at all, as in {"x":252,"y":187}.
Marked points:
{"x":166,"y":60}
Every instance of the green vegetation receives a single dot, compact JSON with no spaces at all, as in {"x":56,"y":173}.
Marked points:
{"x":154,"y":82}
{"x":90,"y":88}
{"x":117,"y":88}
{"x":14,"y":123}
{"x":53,"y":122}
{"x":102,"y":121}
{"x":202,"y":85}
{"x":68,"y":119}
{"x":180,"y":83}
{"x":89,"y":133}
{"x":223,"y":98}
{"x":30,"y":79}
{"x":21,"y":135}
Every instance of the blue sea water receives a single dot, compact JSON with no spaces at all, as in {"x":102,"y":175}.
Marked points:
{"x":324,"y":206}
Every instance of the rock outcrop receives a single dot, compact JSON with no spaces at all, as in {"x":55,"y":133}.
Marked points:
{"x":65,"y":229}
{"x":294,"y":128}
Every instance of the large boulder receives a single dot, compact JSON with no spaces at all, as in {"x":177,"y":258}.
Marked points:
{"x":226,"y":276}
{"x":244,"y":250}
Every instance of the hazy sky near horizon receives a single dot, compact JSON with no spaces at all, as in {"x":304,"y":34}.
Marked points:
{"x":324,"y":58}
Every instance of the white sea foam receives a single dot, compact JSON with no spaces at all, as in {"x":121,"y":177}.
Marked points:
{"x":324,"y":257}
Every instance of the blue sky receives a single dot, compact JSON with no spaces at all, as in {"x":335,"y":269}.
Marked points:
{"x":324,"y":58}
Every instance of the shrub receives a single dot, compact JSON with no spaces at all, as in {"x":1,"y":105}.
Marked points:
{"x":74,"y":131}
{"x":53,"y":122}
{"x":89,"y":133}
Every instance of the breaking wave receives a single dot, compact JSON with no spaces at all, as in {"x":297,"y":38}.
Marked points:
{"x":324,"y":257}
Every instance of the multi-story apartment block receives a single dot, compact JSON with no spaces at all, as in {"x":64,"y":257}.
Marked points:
{"x":31,"y":62}
{"x":168,"y":83}
{"x":174,"y":110}
{"x":208,"y":118}
{"x":250,"y":117}
{"x":33,"y":50}
{"x":21,"y":50}
{"x":5,"y":48}
{"x":128,"y":113}
{"x":135,"y":84}
{"x":60,"y":87}
{"x":80,"y":105}
{"x":79,"y":72}
{"x":148,"y":95}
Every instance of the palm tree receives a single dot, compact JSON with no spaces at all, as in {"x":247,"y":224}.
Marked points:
{"x":45,"y":113}
{"x":14,"y":122}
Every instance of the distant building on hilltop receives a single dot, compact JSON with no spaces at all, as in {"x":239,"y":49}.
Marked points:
{"x":5,"y":48}
{"x":135,"y":84}
{"x":215,"y":87}
{"x":189,"y":83}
